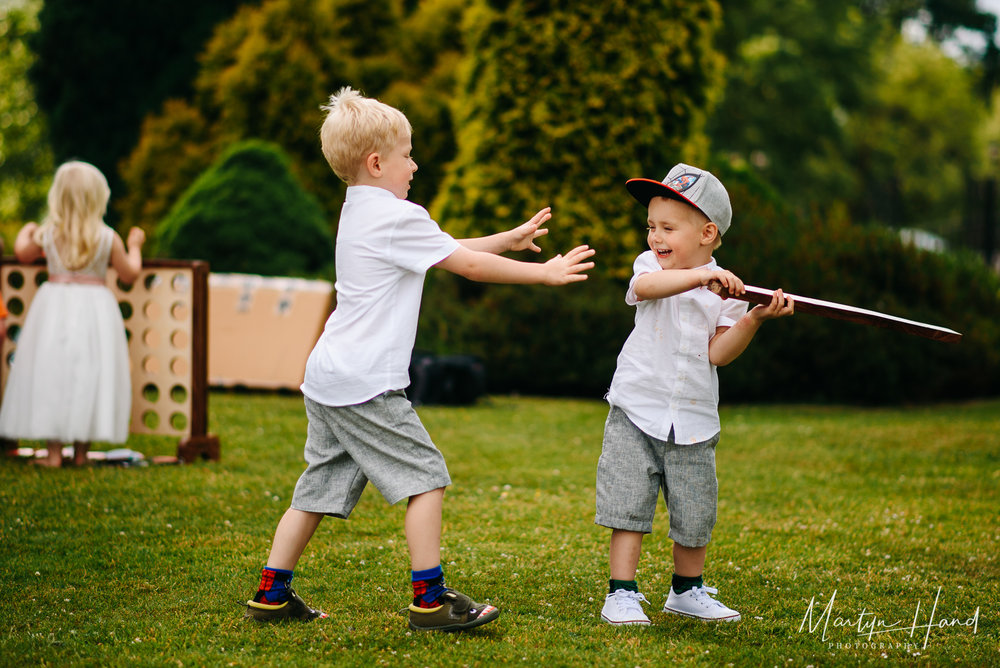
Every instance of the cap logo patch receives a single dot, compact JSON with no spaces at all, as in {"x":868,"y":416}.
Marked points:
{"x":683,"y":182}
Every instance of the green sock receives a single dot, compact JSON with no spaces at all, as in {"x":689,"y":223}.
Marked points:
{"x":681,"y":584}
{"x":627,"y":585}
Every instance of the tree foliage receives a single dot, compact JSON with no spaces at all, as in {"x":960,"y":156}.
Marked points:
{"x":796,"y":70}
{"x":559,"y":106}
{"x":816,"y":104}
{"x":25,"y":158}
{"x":265,"y":74}
{"x":103,"y":65}
{"x":248,"y":214}
{"x":917,"y":141}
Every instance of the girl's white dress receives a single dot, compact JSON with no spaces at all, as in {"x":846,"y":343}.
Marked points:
{"x":69,"y":379}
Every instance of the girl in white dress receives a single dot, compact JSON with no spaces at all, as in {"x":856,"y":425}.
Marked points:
{"x":69,"y":379}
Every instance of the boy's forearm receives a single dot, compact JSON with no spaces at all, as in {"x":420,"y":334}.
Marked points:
{"x":729,"y":343}
{"x":494,"y":243}
{"x":667,"y":283}
{"x":485,"y":267}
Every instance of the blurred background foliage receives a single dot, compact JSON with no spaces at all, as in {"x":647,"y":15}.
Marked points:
{"x":248,"y":211}
{"x":836,"y":124}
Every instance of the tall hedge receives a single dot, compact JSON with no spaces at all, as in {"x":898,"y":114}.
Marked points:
{"x":265,"y":73}
{"x":566,"y":341}
{"x":248,"y":214}
{"x":560,"y":104}
{"x":815,"y":359}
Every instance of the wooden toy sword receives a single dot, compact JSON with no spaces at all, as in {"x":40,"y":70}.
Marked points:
{"x":844,"y":312}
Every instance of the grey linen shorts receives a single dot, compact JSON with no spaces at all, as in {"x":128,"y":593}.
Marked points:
{"x":634,"y":466}
{"x":381,"y":440}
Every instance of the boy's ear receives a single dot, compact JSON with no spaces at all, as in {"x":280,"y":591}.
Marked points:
{"x":373,"y":164}
{"x":709,"y":233}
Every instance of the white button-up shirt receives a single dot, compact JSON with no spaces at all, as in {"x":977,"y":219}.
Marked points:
{"x":664,"y":379}
{"x":385,"y":245}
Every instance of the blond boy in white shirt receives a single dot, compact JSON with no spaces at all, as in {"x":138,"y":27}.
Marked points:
{"x":663,"y":424}
{"x":362,"y":428}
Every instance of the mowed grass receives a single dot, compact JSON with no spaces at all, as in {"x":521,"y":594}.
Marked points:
{"x":883,"y":512}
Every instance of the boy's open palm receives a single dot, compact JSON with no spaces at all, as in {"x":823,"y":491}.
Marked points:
{"x":523,"y":236}
{"x":569,"y":268}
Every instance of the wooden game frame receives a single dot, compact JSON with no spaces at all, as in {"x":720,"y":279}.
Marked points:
{"x":166,"y":319}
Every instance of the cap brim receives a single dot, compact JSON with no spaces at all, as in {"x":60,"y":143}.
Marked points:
{"x":646,"y":189}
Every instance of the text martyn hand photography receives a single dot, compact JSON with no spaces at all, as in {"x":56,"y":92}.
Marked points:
{"x":870,"y":624}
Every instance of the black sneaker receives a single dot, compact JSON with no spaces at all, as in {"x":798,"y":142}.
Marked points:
{"x":456,"y":612}
{"x":293,"y":608}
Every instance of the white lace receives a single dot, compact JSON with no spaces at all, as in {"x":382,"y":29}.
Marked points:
{"x":701,"y":594}
{"x":629,"y":601}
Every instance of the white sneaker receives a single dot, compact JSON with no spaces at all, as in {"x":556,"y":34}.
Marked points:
{"x":624,"y":608}
{"x":699,"y":604}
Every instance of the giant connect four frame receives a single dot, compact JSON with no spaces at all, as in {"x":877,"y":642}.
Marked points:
{"x":166,"y":320}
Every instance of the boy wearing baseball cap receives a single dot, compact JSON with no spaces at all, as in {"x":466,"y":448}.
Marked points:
{"x":663,"y":423}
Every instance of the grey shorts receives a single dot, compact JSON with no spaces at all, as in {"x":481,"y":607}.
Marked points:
{"x":634,"y":466}
{"x":381,"y":440}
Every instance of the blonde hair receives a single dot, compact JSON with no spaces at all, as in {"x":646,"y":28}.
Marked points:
{"x":357,"y":126}
{"x":78,"y":200}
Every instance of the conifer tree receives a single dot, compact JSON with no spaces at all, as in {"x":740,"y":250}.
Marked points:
{"x":558,"y":104}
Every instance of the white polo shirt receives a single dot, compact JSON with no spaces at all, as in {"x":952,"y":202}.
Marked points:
{"x":385,"y":245}
{"x":663,"y":378}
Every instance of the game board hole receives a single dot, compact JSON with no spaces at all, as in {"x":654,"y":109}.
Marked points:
{"x":151,"y":365}
{"x":15,"y":306}
{"x":151,"y":338}
{"x":151,"y":419}
{"x":151,"y":393}
{"x":179,"y":394}
{"x":179,"y":366}
{"x":179,"y":339}
{"x":126,"y":309}
{"x":152,"y":310}
{"x":180,"y":283}
{"x":15,"y":279}
{"x":179,"y":311}
{"x":178,"y":421}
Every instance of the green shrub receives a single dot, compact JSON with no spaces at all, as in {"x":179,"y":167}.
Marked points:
{"x":558,"y":104}
{"x":538,"y":340}
{"x":248,"y":214}
{"x":534,"y":339}
{"x":809,"y":358}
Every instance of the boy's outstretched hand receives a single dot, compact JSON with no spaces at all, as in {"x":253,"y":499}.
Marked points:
{"x":523,"y":236}
{"x":569,"y":268}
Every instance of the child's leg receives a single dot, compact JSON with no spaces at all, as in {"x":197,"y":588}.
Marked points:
{"x":623,"y":604}
{"x":623,"y":556}
{"x":423,"y":529}
{"x":275,"y":598}
{"x":291,"y":537}
{"x":54,"y":454}
{"x":435,"y":606}
{"x":80,"y":449}
{"x":689,"y":562}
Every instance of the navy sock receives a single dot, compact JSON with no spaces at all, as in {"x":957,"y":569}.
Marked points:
{"x":428,"y":585}
{"x":627,"y":585}
{"x":273,"y":587}
{"x":681,"y":584}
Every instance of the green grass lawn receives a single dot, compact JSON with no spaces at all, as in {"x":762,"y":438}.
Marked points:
{"x":874,"y":510}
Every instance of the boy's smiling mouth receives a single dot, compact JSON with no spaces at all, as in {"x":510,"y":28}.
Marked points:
{"x":662,"y":252}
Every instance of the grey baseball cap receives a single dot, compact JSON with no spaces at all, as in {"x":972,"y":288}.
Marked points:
{"x":701,"y":189}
